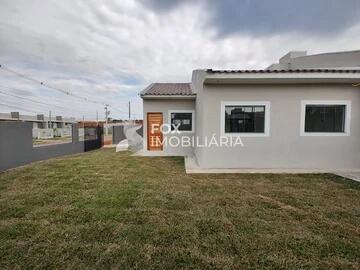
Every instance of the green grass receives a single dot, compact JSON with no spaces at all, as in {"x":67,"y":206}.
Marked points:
{"x":109,"y":210}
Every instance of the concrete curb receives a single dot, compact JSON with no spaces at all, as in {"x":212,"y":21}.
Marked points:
{"x":192,"y":167}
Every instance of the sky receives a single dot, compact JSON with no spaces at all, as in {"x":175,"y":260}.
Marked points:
{"x":108,"y":51}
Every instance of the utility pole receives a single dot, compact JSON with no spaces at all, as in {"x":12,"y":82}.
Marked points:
{"x":129,"y":111}
{"x":49,"y":125}
{"x":107,"y":113}
{"x":97,"y":116}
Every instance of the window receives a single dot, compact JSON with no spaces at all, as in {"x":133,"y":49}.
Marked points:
{"x":182,"y":120}
{"x":325,"y":118}
{"x":250,"y":119}
{"x":247,"y":119}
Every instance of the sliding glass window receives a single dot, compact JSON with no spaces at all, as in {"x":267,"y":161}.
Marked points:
{"x":325,"y":118}
{"x":245,"y":119}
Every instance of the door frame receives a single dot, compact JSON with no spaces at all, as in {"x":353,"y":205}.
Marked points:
{"x":148,"y":131}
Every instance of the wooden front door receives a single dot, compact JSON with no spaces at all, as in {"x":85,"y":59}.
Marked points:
{"x":154,"y":134}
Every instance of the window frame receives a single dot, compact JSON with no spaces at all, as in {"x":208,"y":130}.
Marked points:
{"x":346,"y":103}
{"x":266,"y":132}
{"x":183,"y":111}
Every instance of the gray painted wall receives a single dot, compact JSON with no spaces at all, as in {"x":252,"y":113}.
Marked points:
{"x":118,"y":134}
{"x":164,"y":106}
{"x":201,"y":108}
{"x":16,"y":146}
{"x":284,"y":148}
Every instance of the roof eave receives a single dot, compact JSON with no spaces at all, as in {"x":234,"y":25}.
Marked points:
{"x":168,"y":96}
{"x":281,"y":78}
{"x":146,"y":89}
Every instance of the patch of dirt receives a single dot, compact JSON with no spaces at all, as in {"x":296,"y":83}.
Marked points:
{"x":280,"y":204}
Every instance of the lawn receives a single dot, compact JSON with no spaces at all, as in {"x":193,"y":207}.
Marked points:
{"x":104,"y":209}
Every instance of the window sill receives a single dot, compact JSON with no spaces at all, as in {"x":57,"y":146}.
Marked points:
{"x":180,"y":132}
{"x":245,"y":135}
{"x":324,"y":134}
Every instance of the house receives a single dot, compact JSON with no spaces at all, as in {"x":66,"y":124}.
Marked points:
{"x":43,"y":126}
{"x":302,"y":113}
{"x":39,"y":121}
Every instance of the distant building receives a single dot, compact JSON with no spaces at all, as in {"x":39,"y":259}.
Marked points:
{"x":43,"y":126}
{"x":334,"y":60}
{"x":39,"y":121}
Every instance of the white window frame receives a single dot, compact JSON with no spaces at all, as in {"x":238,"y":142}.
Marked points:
{"x":183,"y":111}
{"x":266,"y":132}
{"x":347,"y":104}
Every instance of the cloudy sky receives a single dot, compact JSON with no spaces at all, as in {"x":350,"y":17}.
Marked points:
{"x":108,"y":51}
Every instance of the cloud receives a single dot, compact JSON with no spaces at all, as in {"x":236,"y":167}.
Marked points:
{"x":110,"y":50}
{"x":264,"y":17}
{"x":163,"y":5}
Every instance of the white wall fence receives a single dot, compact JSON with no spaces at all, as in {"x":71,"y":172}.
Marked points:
{"x":62,"y":132}
{"x":48,"y":133}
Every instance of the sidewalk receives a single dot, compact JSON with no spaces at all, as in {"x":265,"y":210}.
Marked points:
{"x":350,"y":175}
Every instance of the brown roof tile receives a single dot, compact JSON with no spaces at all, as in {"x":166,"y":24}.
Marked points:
{"x":168,"y":89}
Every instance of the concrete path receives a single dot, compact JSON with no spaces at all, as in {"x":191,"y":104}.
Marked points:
{"x":191,"y":166}
{"x":133,"y":137}
{"x":133,"y":140}
{"x":350,"y":175}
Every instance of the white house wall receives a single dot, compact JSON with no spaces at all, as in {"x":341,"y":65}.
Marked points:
{"x":164,"y":106}
{"x":284,"y":147}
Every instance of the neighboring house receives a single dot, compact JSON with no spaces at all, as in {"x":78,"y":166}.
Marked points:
{"x":303,"y":113}
{"x":300,"y":59}
{"x":39,"y":121}
{"x":42,"y":123}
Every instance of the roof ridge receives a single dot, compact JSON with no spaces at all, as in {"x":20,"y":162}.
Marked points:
{"x":168,"y":89}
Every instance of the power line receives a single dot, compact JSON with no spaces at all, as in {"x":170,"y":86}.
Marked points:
{"x":117,"y":109}
{"x":47,"y":85}
{"x":28,"y":99}
{"x":16,"y":107}
{"x":60,"y":109}
{"x":17,"y":89}
{"x":56,"y":88}
{"x":20,"y":108}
